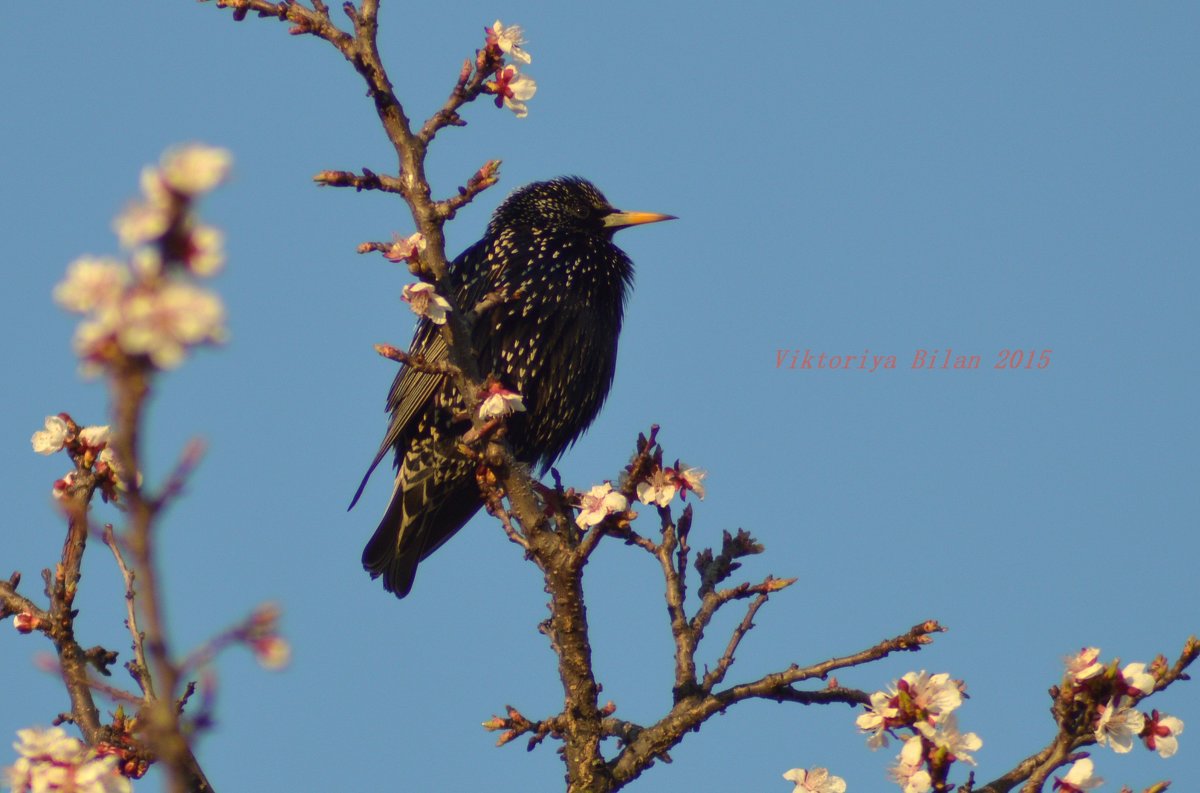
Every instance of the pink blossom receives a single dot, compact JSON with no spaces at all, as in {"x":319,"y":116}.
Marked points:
{"x":424,"y":301}
{"x":406,"y":249}
{"x":1083,"y":665}
{"x":690,"y":479}
{"x":513,"y":89}
{"x":1160,"y":731}
{"x":598,"y":503}
{"x":815,"y":780}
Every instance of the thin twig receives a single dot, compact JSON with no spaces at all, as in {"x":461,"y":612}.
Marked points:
{"x":142,"y":675}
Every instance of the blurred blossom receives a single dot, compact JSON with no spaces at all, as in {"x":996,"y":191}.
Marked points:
{"x":50,"y":760}
{"x":94,"y":437}
{"x":52,"y":438}
{"x":194,"y":169}
{"x":1079,"y":778}
{"x":206,"y":254}
{"x":59,"y":490}
{"x":141,"y":223}
{"x":272,"y":652}
{"x":161,"y":323}
{"x":91,"y":283}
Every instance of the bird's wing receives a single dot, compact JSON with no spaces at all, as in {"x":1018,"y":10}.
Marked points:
{"x":411,"y":390}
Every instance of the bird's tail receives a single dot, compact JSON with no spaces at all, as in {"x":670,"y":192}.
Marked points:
{"x":425,"y":511}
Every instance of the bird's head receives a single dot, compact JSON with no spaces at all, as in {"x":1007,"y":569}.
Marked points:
{"x":568,"y":204}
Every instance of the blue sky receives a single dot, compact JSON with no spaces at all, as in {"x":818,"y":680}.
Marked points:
{"x":848,"y":177}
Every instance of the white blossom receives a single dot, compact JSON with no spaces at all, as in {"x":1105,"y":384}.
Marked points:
{"x":206,"y":253}
{"x":161,"y":323}
{"x":1079,"y":778}
{"x":514,"y":89}
{"x":908,"y":772}
{"x":659,"y":489}
{"x":95,"y":437}
{"x":1161,"y":731}
{"x":815,"y":780}
{"x":1083,"y":665}
{"x":91,"y":283}
{"x":195,"y":168}
{"x":424,"y":301}
{"x":501,"y":402}
{"x":1136,"y":677}
{"x":598,"y":503}
{"x":509,"y":39}
{"x":1118,"y":726}
{"x":141,"y":223}
{"x":52,"y":438}
{"x":947,"y":736}
{"x":690,"y":479}
{"x":50,"y":760}
{"x":875,"y":720}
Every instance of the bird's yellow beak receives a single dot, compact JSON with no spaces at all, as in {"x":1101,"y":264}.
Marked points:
{"x":619,"y":220}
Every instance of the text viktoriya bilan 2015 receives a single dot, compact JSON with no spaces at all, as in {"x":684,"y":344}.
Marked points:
{"x":1007,"y":358}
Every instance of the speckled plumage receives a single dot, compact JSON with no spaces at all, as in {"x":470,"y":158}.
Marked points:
{"x":550,"y":245}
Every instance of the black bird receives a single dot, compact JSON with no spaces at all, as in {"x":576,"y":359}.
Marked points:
{"x":549,"y":247}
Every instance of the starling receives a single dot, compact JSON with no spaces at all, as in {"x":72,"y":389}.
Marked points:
{"x":553,"y":340}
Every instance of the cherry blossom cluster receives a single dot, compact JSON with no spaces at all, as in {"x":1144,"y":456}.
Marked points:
{"x":664,"y":483}
{"x":815,"y":780}
{"x":512,"y":89}
{"x":1100,"y":698}
{"x":921,"y":705}
{"x":147,"y":309}
{"x":50,"y":760}
{"x":88,"y":448}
